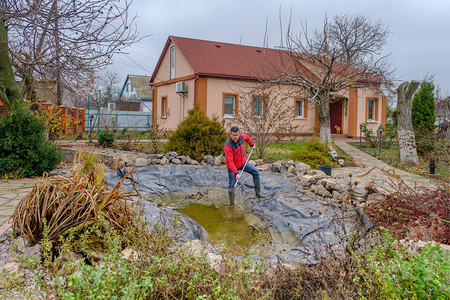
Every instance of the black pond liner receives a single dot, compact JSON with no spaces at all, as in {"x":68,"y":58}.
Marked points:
{"x":285,"y":213}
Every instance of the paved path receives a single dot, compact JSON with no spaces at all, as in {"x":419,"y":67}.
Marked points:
{"x":377,"y":175}
{"x":11,"y":192}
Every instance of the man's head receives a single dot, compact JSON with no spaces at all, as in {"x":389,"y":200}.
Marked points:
{"x":234,"y":133}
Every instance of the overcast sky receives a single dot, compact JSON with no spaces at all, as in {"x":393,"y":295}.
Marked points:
{"x":419,"y":42}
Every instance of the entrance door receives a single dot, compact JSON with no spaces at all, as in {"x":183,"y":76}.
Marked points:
{"x":336,"y":116}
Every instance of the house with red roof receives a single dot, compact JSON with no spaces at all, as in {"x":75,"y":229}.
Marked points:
{"x":215,"y":74}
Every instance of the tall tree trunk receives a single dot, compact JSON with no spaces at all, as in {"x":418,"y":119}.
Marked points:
{"x":59,"y":84}
{"x":9,"y":91}
{"x":406,"y":137}
{"x":323,"y":108}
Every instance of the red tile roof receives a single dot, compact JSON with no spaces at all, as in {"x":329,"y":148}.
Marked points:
{"x":224,"y":60}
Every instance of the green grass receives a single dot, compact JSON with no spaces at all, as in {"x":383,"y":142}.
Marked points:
{"x":282,"y":151}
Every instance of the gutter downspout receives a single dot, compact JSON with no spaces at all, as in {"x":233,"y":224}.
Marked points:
{"x":195,"y":88}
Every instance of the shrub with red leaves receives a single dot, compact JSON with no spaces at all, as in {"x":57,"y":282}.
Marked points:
{"x":415,"y":213}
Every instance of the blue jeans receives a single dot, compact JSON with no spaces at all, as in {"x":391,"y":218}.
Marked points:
{"x":249,"y":168}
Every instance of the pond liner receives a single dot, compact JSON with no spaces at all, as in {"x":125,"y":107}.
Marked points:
{"x":306,"y":225}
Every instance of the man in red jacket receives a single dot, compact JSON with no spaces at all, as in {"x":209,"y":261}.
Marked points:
{"x":235,"y":161}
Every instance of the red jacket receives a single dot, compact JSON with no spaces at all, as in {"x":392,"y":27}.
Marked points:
{"x":235,"y":152}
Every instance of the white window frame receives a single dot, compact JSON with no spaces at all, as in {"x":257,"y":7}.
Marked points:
{"x":302,"y":116}
{"x":262,"y":106}
{"x":233,"y":115}
{"x":172,"y":62}
{"x":373,"y":109}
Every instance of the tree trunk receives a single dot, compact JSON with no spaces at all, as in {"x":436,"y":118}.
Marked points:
{"x":9,"y":91}
{"x":323,"y":108}
{"x":406,"y":137}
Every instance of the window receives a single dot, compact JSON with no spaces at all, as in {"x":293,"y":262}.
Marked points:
{"x":299,"y":108}
{"x":371,"y":109}
{"x":164,"y":110}
{"x":172,"y":62}
{"x":258,"y":103}
{"x":230,"y":105}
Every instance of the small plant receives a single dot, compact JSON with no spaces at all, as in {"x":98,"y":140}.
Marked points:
{"x":197,"y":136}
{"x":106,"y":139}
{"x":314,"y":154}
{"x":369,"y":135}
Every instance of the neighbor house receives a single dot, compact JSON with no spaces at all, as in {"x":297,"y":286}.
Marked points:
{"x":136,"y":94}
{"x":215,"y":75}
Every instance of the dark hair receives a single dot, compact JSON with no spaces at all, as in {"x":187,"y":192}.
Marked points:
{"x":234,"y":129}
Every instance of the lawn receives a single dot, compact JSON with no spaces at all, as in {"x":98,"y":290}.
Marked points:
{"x":282,"y":151}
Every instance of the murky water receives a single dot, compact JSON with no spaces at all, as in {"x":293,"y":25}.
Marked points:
{"x":224,"y":224}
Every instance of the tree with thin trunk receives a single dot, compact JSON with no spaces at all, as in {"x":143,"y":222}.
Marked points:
{"x":406,"y":137}
{"x":343,"y":54}
{"x":67,"y":40}
{"x":261,"y":112}
{"x":9,"y":91}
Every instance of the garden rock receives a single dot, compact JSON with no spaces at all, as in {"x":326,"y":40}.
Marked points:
{"x":164,"y":161}
{"x":12,"y":268}
{"x":157,"y":161}
{"x":289,"y":164}
{"x":252,"y":162}
{"x":421,"y":233}
{"x":290,"y":169}
{"x":336,"y":195}
{"x":301,"y":168}
{"x":306,"y":179}
{"x":182,"y":158}
{"x":375,"y":198}
{"x":276,"y":167}
{"x":329,"y":184}
{"x":358,"y":192}
{"x":194,"y":162}
{"x":176,"y":161}
{"x":140,"y":162}
{"x":321,"y":191}
{"x":171,"y":155}
{"x":129,"y":254}
{"x":158,"y":156}
{"x":22,"y":243}
{"x":372,"y":187}
{"x":218,"y":161}
{"x":215,"y":261}
{"x":209,"y":159}
{"x":415,"y":246}
{"x":194,"y":247}
{"x":116,"y":163}
{"x":357,"y":162}
{"x":258,"y":162}
{"x":34,"y":251}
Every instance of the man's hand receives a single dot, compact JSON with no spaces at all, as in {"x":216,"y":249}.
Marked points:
{"x":238,"y":176}
{"x":254,"y":146}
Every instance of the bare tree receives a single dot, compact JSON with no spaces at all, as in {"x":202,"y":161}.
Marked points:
{"x":344,"y":54}
{"x":405,"y":131}
{"x":63,"y":39}
{"x":261,"y":115}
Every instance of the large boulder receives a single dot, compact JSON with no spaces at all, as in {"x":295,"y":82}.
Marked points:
{"x":358,"y":192}
{"x":209,"y":159}
{"x":116,"y":163}
{"x":357,"y":162}
{"x":276,"y":167}
{"x":176,"y":161}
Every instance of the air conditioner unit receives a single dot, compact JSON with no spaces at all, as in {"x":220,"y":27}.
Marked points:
{"x":181,"y":87}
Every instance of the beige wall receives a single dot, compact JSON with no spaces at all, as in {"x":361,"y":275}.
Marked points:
{"x":182,"y":67}
{"x":218,"y":86}
{"x":178,"y":105}
{"x":363,"y":94}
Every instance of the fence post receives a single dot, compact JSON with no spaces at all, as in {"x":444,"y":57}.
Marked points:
{"x":99,"y":115}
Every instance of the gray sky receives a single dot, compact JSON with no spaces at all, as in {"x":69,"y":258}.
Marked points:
{"x":419,"y":42}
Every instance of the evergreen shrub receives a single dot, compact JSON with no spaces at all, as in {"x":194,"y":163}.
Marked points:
{"x":106,"y":139}
{"x":198,"y":136}
{"x":314,"y":154}
{"x":24,"y":149}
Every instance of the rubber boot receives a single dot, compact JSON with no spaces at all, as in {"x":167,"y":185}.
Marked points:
{"x":257,"y":183}
{"x":231,"y":196}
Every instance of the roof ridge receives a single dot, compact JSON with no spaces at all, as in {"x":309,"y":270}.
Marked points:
{"x":225,"y":43}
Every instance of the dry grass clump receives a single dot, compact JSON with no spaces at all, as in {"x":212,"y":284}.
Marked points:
{"x":73,"y":201}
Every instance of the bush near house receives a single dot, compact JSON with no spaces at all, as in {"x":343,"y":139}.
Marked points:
{"x":314,"y":154}
{"x":24,"y":150}
{"x":197,"y":136}
{"x":106,"y":139}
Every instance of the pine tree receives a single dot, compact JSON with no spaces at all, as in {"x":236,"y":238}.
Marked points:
{"x":422,"y":110}
{"x":197,"y":136}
